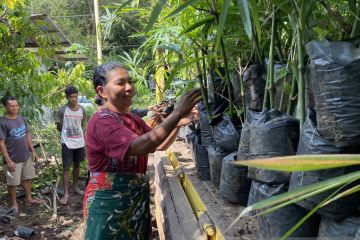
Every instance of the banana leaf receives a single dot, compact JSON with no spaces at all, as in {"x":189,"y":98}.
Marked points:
{"x":303,"y":162}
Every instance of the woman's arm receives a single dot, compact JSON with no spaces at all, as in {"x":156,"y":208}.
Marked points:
{"x":183,"y":122}
{"x":150,"y":141}
{"x":167,"y":143}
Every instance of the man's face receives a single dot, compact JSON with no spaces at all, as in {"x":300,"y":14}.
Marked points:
{"x":73,"y":99}
{"x":12,"y":107}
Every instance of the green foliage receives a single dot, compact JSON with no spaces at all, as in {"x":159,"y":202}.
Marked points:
{"x":49,"y":137}
{"x":24,"y":74}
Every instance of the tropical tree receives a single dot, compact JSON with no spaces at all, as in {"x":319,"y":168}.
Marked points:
{"x":25,"y":74}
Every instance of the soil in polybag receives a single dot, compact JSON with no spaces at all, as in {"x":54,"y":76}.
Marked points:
{"x":312,"y":143}
{"x":236,"y":89}
{"x":227,"y":133}
{"x":273,"y":134}
{"x":335,"y":78}
{"x":254,"y":86}
{"x":234,"y":184}
{"x":275,"y":224}
{"x":217,"y":92}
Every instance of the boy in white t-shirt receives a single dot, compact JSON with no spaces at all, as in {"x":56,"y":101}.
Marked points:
{"x":70,"y":122}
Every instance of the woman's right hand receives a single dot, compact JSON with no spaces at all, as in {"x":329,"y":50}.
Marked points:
{"x":188,"y":101}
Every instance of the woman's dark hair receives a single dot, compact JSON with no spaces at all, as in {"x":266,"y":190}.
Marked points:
{"x":98,"y":100}
{"x":7,"y":98}
{"x":99,"y":78}
{"x":70,"y":90}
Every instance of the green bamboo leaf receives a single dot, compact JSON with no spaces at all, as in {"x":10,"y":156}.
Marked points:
{"x":182,"y":65}
{"x":172,"y":47}
{"x":288,"y":198}
{"x":283,"y":5}
{"x":208,"y":19}
{"x":255,"y":17}
{"x":180,"y":8}
{"x":245,"y":17}
{"x":352,"y":5}
{"x":4,"y":29}
{"x":221,"y":24}
{"x":303,"y":162}
{"x":287,"y":88}
{"x":342,"y":194}
{"x":118,"y":5}
{"x":332,"y":197}
{"x":310,"y":194}
{"x":155,"y":14}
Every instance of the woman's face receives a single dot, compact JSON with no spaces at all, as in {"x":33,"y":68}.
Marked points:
{"x":119,"y":90}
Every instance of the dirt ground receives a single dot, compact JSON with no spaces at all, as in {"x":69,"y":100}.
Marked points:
{"x":69,"y":221}
{"x":222,"y":212}
{"x":66,"y":225}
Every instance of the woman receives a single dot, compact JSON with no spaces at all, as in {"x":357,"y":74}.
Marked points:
{"x":116,"y":203}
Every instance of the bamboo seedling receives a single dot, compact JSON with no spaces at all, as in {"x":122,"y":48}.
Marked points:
{"x":202,"y":86}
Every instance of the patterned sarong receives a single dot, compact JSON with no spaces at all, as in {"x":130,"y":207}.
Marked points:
{"x":116,"y":206}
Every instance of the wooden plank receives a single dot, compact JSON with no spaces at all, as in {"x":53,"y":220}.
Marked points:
{"x":167,"y":220}
{"x":174,"y":216}
{"x":186,"y":216}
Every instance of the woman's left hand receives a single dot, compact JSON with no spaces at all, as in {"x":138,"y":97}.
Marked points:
{"x":189,"y":118}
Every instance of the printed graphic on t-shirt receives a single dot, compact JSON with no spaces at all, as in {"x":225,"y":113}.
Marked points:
{"x":18,"y":132}
{"x":73,"y":127}
{"x":14,"y":132}
{"x":72,"y":134}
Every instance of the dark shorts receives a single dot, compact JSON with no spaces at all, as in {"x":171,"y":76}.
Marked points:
{"x":70,"y":156}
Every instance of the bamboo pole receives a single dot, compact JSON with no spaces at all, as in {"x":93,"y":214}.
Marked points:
{"x":226,"y":64}
{"x":227,"y":77}
{"x":271,"y":61}
{"x":97,"y":30}
{"x":202,"y":87}
{"x":355,"y":24}
{"x":282,"y":99}
{"x":301,"y":81}
{"x":292,"y":97}
{"x":159,"y":77}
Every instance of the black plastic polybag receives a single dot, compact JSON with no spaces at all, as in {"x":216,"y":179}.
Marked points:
{"x":206,"y":132}
{"x":275,"y":224}
{"x":347,"y":229}
{"x":215,"y":155}
{"x":254,"y":86}
{"x":234,"y":184}
{"x":227,"y":134}
{"x":190,"y":137}
{"x":244,"y":144}
{"x":201,"y":159}
{"x":274,"y":134}
{"x":312,"y":143}
{"x":335,"y":79}
{"x":357,"y":235}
